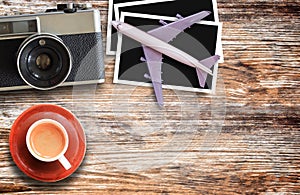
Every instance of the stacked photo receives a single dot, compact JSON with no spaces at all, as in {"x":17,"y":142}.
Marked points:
{"x":201,"y":41}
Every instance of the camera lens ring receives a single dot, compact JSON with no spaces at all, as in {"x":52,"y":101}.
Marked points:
{"x":39,"y":44}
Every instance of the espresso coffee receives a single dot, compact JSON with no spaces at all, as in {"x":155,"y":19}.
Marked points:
{"x":47,"y":140}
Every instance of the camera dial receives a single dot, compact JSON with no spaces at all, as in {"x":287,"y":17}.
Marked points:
{"x":44,"y":61}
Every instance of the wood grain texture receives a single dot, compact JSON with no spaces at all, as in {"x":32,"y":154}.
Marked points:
{"x":257,"y":150}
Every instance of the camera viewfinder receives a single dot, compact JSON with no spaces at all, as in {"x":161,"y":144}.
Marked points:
{"x":6,"y":28}
{"x":18,"y":27}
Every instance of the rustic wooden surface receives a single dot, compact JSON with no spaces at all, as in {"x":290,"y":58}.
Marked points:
{"x":257,"y":150}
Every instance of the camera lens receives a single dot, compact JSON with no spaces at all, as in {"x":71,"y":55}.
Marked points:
{"x":44,"y":62}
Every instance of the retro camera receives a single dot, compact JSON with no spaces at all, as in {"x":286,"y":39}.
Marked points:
{"x":62,"y":46}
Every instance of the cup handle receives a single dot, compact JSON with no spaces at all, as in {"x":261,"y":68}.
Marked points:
{"x":64,"y":162}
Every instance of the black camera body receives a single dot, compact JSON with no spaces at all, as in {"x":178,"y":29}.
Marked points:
{"x":47,"y":50}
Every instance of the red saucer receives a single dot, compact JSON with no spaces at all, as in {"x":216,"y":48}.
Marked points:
{"x":51,"y":171}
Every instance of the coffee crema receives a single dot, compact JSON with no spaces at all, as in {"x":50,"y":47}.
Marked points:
{"x":47,"y":140}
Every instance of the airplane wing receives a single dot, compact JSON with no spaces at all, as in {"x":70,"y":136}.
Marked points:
{"x":154,"y":62}
{"x":169,"y":31}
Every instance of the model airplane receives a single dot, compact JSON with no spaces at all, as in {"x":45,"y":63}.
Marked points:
{"x":155,"y":43}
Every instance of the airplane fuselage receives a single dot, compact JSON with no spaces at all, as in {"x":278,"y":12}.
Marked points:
{"x":159,"y":45}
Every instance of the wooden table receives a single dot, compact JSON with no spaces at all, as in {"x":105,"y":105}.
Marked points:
{"x":244,"y":140}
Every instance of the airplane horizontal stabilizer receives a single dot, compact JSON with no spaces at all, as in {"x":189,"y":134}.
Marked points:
{"x":208,"y":62}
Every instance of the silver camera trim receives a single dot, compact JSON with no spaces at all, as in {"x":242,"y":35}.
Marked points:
{"x":40,"y":36}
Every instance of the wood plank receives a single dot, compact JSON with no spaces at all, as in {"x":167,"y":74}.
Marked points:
{"x":256,"y":151}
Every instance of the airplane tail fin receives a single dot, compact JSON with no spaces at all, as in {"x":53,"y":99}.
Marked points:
{"x":208,"y":62}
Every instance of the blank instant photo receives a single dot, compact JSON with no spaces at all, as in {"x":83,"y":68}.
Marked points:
{"x":156,"y":7}
{"x":200,"y":41}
